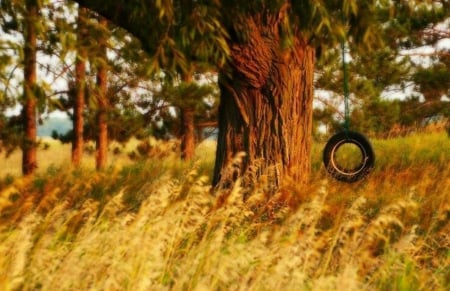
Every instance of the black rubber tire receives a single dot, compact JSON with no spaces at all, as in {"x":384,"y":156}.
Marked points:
{"x":348,"y":175}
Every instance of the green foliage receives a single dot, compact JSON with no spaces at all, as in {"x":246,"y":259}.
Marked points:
{"x":171,"y":36}
{"x":433,"y":82}
{"x":126,"y":124}
{"x":376,"y":116}
{"x":405,"y":25}
{"x":194,"y":94}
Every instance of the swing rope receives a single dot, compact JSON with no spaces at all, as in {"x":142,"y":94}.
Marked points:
{"x":346,"y":90}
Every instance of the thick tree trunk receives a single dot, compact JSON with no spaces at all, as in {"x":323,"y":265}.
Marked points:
{"x":102,"y":103}
{"x":80,"y":86}
{"x":29,"y":160}
{"x":266,"y":108}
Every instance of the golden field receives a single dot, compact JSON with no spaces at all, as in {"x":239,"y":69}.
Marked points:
{"x":155,"y":224}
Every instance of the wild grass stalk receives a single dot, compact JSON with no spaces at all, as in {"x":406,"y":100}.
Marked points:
{"x":155,"y":225}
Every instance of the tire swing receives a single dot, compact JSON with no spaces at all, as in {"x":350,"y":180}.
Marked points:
{"x":353,"y":173}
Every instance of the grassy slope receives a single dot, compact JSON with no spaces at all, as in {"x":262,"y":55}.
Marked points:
{"x":154,"y":226}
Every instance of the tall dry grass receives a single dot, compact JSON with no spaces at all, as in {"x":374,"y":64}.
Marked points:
{"x":154,"y":225}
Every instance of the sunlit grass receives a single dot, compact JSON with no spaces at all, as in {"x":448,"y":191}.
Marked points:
{"x":349,"y":156}
{"x":153,"y":224}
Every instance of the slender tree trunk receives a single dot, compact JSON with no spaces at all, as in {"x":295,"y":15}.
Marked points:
{"x":80,"y":86}
{"x":29,"y":160}
{"x":266,"y":108}
{"x":102,"y":102}
{"x":187,"y":133}
{"x":187,"y":127}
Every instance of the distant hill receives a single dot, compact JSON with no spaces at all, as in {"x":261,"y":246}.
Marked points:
{"x":60,"y":124}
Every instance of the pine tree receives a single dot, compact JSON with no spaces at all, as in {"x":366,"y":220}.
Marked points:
{"x":28,"y":26}
{"x":101,"y":95}
{"x":80,"y":88}
{"x":21,"y":19}
{"x":188,"y":96}
{"x":29,"y":159}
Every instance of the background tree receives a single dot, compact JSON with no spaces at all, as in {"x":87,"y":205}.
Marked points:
{"x":27,"y":31}
{"x":80,"y":87}
{"x":29,"y":159}
{"x":127,"y":70}
{"x":101,"y":96}
{"x":187,"y":124}
{"x":193,"y":97}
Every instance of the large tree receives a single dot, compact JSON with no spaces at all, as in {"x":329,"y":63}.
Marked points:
{"x":268,"y":78}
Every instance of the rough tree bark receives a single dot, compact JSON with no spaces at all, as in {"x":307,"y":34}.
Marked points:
{"x":266,"y":106}
{"x":102,"y":103}
{"x":29,"y":159}
{"x":80,"y":86}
